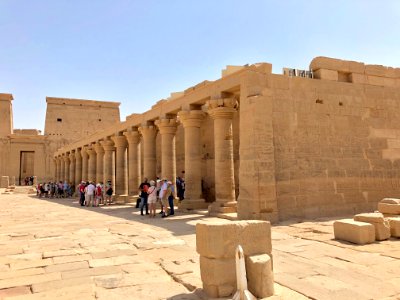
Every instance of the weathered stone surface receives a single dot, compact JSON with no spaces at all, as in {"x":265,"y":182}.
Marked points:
{"x":370,"y":217}
{"x":394,"y":226}
{"x":4,"y":182}
{"x":260,"y":277}
{"x":387,"y":208}
{"x":354,"y":231}
{"x":382,"y":227}
{"x":219,"y":240}
{"x":218,"y":271}
{"x":390,"y":200}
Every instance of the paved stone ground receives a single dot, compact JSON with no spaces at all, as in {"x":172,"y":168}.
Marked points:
{"x":54,"y":249}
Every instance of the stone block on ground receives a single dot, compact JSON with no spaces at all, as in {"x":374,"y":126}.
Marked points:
{"x":375,"y":217}
{"x":218,"y":271}
{"x":394,"y":223}
{"x":220,"y":239}
{"x":381,"y":224}
{"x":354,"y":231}
{"x":5,"y":182}
{"x":386,"y":208}
{"x":390,"y":200}
{"x":260,"y":277}
{"x":218,"y":291}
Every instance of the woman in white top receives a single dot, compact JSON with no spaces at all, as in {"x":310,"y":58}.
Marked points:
{"x":152,"y":198}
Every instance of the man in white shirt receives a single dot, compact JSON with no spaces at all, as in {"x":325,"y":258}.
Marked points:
{"x":89,"y":194}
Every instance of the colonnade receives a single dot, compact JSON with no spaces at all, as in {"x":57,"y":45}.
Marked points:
{"x":118,"y":156}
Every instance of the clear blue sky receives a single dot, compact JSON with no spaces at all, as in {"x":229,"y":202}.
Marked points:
{"x":137,"y":52}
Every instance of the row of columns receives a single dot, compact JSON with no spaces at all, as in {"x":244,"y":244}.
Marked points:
{"x":95,"y":162}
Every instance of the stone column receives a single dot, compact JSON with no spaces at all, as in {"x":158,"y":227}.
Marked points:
{"x":222,"y":111}
{"x":133,"y":138}
{"x":167,"y":128}
{"x":109,"y":148}
{"x":99,"y":162}
{"x":66,"y":169}
{"x":121,"y":186}
{"x":55,"y":170}
{"x":92,"y":164}
{"x":78,"y":167}
{"x":59,"y":173}
{"x":62,"y":173}
{"x":149,"y":133}
{"x":72,"y":167}
{"x":191,"y":121}
{"x":85,"y":164}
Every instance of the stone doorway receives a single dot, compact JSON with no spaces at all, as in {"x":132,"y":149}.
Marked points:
{"x":27,"y":165}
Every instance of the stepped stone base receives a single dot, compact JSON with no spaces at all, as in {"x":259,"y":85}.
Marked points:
{"x":193,"y":204}
{"x":121,"y":199}
{"x":222,"y":208}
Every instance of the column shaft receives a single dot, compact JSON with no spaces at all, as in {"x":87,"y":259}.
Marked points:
{"x":78,"y":167}
{"x":66,"y":168}
{"x":121,"y":187}
{"x":92,"y":164}
{"x":149,"y":151}
{"x":133,"y":138}
{"x":85,"y":164}
{"x":222,"y":111}
{"x":58,"y":169}
{"x":72,"y":168}
{"x":62,"y":173}
{"x":191,"y":121}
{"x":167,"y":128}
{"x":99,"y":162}
{"x":108,"y":160}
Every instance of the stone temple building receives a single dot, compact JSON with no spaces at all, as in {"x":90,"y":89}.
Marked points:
{"x":302,"y":144}
{"x":26,"y":152}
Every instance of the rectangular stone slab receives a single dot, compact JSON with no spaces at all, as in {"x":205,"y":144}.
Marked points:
{"x":390,"y":200}
{"x":375,"y":217}
{"x":354,"y":231}
{"x":394,"y":226}
{"x":387,"y":208}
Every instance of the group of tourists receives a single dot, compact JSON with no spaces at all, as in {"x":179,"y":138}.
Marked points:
{"x":91,"y":194}
{"x":55,"y":189}
{"x":28,"y":180}
{"x":162,"y":192}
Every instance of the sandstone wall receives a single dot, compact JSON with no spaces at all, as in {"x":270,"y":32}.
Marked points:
{"x":336,"y":143}
{"x":73,"y":119}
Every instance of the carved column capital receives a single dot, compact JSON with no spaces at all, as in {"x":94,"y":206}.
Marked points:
{"x":149,"y":131}
{"x":223,"y":108}
{"x":98,"y":148}
{"x":166,"y":126}
{"x":120,"y":141}
{"x":108,"y":145}
{"x":132,"y":136}
{"x":191,"y":118}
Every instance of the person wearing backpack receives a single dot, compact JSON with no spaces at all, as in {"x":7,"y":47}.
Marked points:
{"x":143,"y":188}
{"x":109,"y":192}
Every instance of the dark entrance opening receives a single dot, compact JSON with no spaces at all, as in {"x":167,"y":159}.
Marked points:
{"x":27,"y":165}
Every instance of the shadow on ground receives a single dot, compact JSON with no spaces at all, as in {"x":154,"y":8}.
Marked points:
{"x":182,"y":223}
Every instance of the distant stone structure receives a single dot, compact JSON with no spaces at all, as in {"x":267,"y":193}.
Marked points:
{"x":26,"y":152}
{"x":269,"y":146}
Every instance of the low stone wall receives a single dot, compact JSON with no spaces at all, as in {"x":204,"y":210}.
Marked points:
{"x":216,"y":243}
